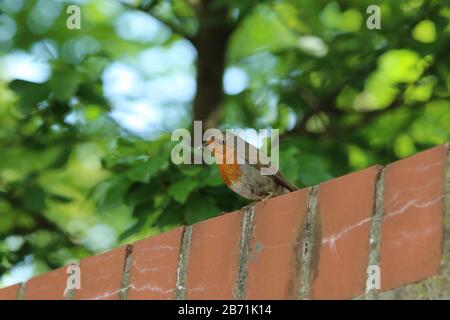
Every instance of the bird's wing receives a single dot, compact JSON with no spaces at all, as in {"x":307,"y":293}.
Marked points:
{"x":277,"y":177}
{"x":263,"y":161}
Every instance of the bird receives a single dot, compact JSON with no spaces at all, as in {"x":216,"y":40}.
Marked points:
{"x":244,"y":177}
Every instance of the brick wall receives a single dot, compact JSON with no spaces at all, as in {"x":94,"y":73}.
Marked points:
{"x":315,"y":243}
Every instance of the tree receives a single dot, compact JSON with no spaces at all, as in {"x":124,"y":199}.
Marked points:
{"x":75,"y":178}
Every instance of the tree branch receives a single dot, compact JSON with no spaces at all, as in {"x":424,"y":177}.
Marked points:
{"x":175,"y":28}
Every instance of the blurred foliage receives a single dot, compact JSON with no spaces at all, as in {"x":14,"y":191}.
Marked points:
{"x":74,"y":180}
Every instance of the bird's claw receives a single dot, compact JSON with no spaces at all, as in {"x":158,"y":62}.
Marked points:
{"x":270,"y":195}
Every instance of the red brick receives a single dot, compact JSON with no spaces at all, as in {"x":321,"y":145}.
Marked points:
{"x":101,"y":276}
{"x":213,"y":262}
{"x":154,"y":266}
{"x":48,"y":286}
{"x":345,"y":207}
{"x":412,"y":227}
{"x":272,"y":264}
{"x":9,"y":293}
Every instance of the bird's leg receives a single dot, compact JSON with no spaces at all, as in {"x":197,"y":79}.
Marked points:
{"x":270,"y":195}
{"x":263,"y":200}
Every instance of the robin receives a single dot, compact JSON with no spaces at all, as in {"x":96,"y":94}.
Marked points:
{"x":240,"y":174}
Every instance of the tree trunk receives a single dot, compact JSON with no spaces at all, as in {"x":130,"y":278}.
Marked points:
{"x":211,"y":42}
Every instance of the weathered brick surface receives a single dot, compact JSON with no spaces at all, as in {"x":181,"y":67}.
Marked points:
{"x":153,"y":272}
{"x":48,"y":286}
{"x":437,"y":286}
{"x":345,"y":207}
{"x":412,"y":227}
{"x":214,"y":254}
{"x":101,"y":276}
{"x":273,"y":268}
{"x":9,"y":293}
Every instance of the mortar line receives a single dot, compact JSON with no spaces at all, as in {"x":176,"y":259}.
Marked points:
{"x":21,"y":291}
{"x":246,"y":235}
{"x":70,"y":294}
{"x":125,"y":280}
{"x":305,"y":257}
{"x":375,"y":233}
{"x":180,"y":287}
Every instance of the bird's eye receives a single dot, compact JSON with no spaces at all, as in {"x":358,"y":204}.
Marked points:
{"x":221,"y":142}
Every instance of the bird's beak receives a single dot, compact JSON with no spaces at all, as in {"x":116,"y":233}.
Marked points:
{"x":203,"y":145}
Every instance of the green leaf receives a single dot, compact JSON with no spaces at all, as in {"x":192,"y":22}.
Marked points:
{"x":59,"y":198}
{"x":172,"y":216}
{"x":92,"y":112}
{"x":425,"y":31}
{"x":134,"y":228}
{"x":262,"y":29}
{"x":109,"y":194}
{"x":64,"y":84}
{"x":199,"y":208}
{"x":404,"y":146}
{"x":351,"y":20}
{"x":400,"y":65}
{"x":358,"y":158}
{"x":180,"y":190}
{"x":190,"y":170}
{"x":312,"y":169}
{"x":34,"y":198}
{"x":144,"y":209}
{"x":147,"y":167}
{"x":138,"y":193}
{"x":29,"y":94}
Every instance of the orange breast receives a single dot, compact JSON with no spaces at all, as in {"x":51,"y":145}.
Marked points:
{"x":229,"y":172}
